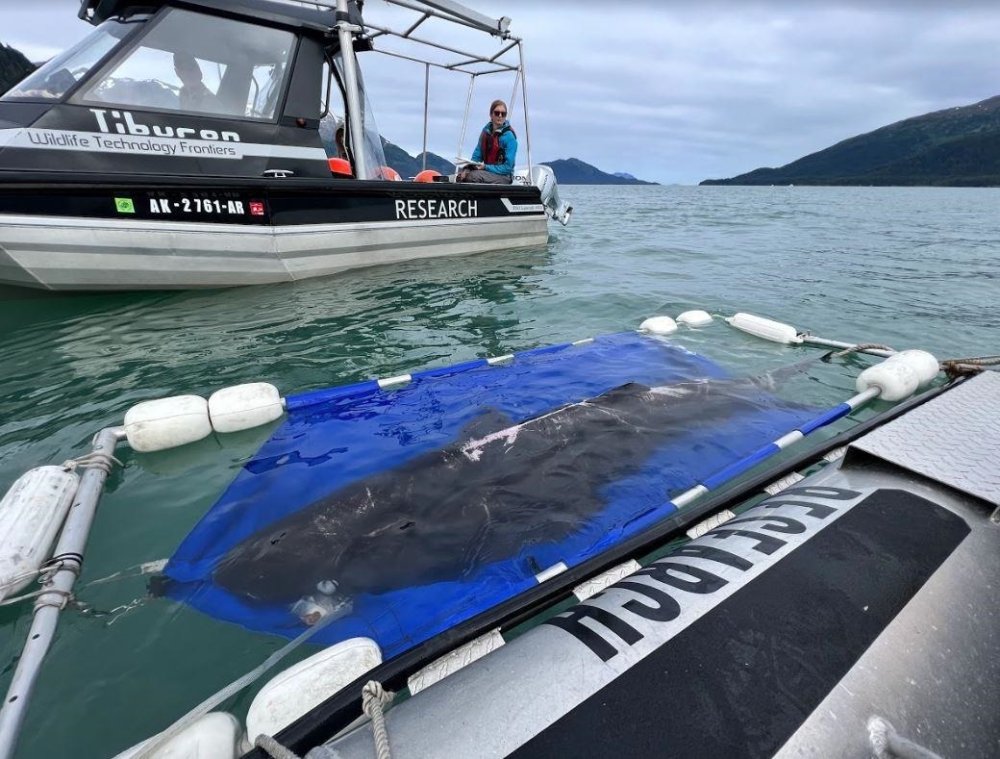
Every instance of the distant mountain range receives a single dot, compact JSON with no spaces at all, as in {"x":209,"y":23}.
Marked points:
{"x":957,"y":147}
{"x":575,"y":171}
{"x":567,"y":171}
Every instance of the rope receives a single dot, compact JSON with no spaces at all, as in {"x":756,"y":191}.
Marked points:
{"x":964,"y":367}
{"x":116,"y":613}
{"x":887,"y":743}
{"x":44,"y":574}
{"x":855,"y":349}
{"x":92,"y":460}
{"x":373,"y":698}
{"x":65,"y":597}
{"x":272,"y":748}
{"x":136,"y":570}
{"x":148,"y":750}
{"x":16,"y":579}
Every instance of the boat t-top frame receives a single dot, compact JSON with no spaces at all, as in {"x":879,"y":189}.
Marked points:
{"x":355,"y":34}
{"x":473,"y":64}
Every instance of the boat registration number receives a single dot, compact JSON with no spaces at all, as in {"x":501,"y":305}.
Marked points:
{"x":216,"y":206}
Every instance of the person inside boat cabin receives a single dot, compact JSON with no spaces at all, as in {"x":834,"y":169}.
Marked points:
{"x":194,"y":95}
{"x":493,"y":158}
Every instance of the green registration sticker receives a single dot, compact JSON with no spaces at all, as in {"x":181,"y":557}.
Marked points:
{"x":124,"y":205}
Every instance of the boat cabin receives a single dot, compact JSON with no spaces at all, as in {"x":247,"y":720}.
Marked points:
{"x":257,"y":84}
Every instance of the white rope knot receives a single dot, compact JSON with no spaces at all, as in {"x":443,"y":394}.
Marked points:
{"x":61,"y":600}
{"x":272,"y":748}
{"x":92,"y":460}
{"x":887,"y":743}
{"x":373,"y":698}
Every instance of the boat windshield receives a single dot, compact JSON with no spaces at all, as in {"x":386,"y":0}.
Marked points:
{"x":56,"y":77}
{"x":375,"y":164}
{"x":195,"y":63}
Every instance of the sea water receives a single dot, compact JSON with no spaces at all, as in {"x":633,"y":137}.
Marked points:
{"x":908,"y":267}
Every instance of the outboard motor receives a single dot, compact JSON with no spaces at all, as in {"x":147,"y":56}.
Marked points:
{"x":545,"y":180}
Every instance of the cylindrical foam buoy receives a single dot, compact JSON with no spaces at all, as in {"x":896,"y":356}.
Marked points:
{"x":31,"y":514}
{"x":658,"y":325}
{"x":766,"y":329}
{"x":167,"y":423}
{"x":427,"y":175}
{"x":216,"y":734}
{"x":696,"y":318}
{"x":243,"y":407}
{"x":896,"y":379}
{"x":922,"y":362}
{"x":292,"y":693}
{"x":389,"y":173}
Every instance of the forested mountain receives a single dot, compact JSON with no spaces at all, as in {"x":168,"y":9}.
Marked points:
{"x":954,"y":147}
{"x":575,"y":171}
{"x":13,"y":67}
{"x":408,"y":166}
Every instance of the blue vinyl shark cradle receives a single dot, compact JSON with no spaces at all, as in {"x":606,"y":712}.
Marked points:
{"x":409,"y":511}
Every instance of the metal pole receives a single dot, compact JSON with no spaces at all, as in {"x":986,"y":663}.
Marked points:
{"x":69,"y":552}
{"x":427,"y":91}
{"x":524,"y":105}
{"x":824,"y":343}
{"x":513,"y":95}
{"x":745,"y":464}
{"x":345,"y":32}
{"x":465,"y":118}
{"x":459,"y":13}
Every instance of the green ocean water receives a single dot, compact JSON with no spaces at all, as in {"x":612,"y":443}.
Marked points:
{"x":911,"y":267}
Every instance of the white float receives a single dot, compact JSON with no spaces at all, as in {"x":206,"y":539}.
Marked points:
{"x":292,"y":693}
{"x":243,"y":407}
{"x":923,"y":363}
{"x":767,"y":329}
{"x":896,"y":380}
{"x":659,"y":325}
{"x":215,"y":736}
{"x":167,"y":423}
{"x":696,"y":318}
{"x":31,"y":514}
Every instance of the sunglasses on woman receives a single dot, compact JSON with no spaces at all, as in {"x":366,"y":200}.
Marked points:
{"x":499,"y":113}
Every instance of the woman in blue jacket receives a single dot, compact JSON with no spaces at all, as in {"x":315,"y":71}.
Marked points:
{"x":493,"y":158}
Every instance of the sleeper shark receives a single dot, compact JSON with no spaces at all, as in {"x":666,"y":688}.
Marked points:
{"x":498,"y":488}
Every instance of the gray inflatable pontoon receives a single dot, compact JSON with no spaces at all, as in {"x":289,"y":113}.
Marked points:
{"x":850,"y":614}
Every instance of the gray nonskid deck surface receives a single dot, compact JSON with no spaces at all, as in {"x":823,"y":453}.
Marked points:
{"x":954,"y":438}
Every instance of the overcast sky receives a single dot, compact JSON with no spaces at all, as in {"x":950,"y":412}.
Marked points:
{"x":670,"y":91}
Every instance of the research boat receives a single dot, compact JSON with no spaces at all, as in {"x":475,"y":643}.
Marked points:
{"x":824,"y":602}
{"x":213,"y":143}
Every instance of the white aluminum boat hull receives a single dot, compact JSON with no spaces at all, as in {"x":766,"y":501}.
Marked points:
{"x":63,"y":254}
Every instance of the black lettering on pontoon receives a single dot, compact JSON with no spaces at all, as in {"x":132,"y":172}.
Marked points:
{"x":773,"y":523}
{"x":834,"y":494}
{"x":710,"y":553}
{"x":572,"y":622}
{"x":766,"y":544}
{"x":666,"y":572}
{"x":815,"y":510}
{"x":666,"y":607}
